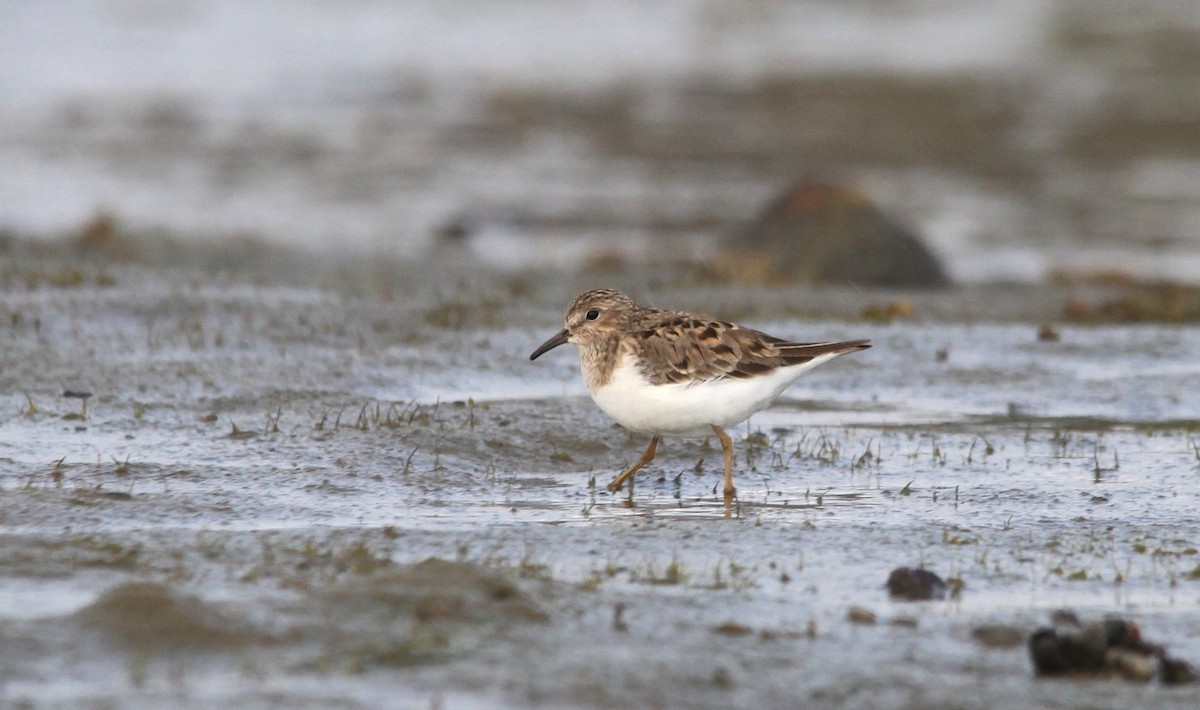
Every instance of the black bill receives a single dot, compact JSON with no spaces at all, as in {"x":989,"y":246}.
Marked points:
{"x":558,"y":339}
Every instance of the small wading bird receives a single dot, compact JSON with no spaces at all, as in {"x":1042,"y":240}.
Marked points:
{"x":669,"y":373}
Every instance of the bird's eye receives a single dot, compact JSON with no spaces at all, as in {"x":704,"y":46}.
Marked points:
{"x":592,"y":314}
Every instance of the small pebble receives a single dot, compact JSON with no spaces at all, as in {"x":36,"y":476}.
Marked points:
{"x":860,"y":615}
{"x":732,"y":628}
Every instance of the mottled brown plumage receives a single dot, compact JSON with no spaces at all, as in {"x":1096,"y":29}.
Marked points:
{"x":672,"y":373}
{"x":674,"y":347}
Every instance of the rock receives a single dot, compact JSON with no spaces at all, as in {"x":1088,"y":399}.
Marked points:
{"x":1047,"y":654}
{"x":1174,"y":671}
{"x":1048,"y":334}
{"x":1131,"y":665}
{"x":1112,"y":648}
{"x":821,"y":233}
{"x":912,"y":584}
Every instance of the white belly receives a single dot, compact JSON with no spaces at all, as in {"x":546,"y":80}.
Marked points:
{"x":690,"y":409}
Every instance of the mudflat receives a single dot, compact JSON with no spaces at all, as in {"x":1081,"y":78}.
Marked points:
{"x":343,"y":484}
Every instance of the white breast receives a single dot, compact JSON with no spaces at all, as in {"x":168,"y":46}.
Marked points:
{"x":690,"y":409}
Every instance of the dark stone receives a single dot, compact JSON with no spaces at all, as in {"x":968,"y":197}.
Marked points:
{"x":1118,"y":632}
{"x":1084,"y":647}
{"x":818,"y":233}
{"x":1174,"y":671}
{"x":1112,"y":648}
{"x":1068,"y":649}
{"x":1047,"y":653}
{"x":915,"y":584}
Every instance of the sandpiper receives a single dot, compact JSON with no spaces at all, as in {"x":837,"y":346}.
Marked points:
{"x":670,"y":373}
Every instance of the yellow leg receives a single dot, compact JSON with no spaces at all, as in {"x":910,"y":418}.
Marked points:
{"x":727,"y":445}
{"x":646,"y":458}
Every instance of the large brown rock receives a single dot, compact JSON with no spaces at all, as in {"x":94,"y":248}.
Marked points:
{"x":819,"y":233}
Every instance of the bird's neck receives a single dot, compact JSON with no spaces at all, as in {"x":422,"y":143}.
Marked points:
{"x":598,"y":358}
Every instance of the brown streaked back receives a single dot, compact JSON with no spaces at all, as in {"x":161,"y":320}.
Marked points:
{"x":677,"y":347}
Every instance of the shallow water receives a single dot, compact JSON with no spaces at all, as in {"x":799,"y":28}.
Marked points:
{"x":275,"y":460}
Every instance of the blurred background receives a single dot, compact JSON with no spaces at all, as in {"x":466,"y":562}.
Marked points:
{"x":1021,"y":140}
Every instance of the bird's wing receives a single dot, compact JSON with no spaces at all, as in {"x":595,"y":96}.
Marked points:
{"x":678,"y":348}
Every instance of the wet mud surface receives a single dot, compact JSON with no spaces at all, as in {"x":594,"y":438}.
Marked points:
{"x":270,"y":277}
{"x":360,"y":493}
